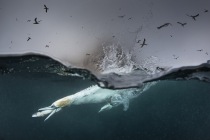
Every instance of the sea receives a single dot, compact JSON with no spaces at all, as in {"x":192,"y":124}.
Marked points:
{"x":172,"y":109}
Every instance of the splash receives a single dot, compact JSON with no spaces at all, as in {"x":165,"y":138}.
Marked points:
{"x":138,"y":76}
{"x":113,"y":59}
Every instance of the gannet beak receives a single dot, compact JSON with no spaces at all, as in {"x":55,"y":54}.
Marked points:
{"x":55,"y":107}
{"x":53,"y":112}
{"x":45,"y":111}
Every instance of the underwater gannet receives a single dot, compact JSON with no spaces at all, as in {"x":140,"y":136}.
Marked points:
{"x":94,"y":94}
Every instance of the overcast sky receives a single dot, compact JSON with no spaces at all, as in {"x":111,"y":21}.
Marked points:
{"x":72,"y":28}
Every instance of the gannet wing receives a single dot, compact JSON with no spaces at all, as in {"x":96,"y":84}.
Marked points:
{"x":105,"y":107}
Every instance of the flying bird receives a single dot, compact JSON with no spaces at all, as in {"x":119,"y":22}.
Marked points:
{"x":200,"y":50}
{"x":29,"y":20}
{"x":182,"y":24}
{"x":205,"y":11}
{"x":121,"y":16}
{"x":164,"y":25}
{"x":46,"y":8}
{"x":35,"y":21}
{"x":176,"y":57}
{"x":193,"y":17}
{"x":47,"y":46}
{"x":144,"y":43}
{"x":138,"y":41}
{"x":129,"y":18}
{"x":28,"y":38}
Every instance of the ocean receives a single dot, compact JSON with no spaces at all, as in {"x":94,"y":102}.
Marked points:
{"x":171,"y":109}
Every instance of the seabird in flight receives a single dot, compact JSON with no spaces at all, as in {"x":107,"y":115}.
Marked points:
{"x":164,"y":25}
{"x":46,"y":8}
{"x":200,"y":50}
{"x":35,"y":21}
{"x":176,"y":57}
{"x":138,"y":41}
{"x":121,"y":16}
{"x":28,"y":38}
{"x":193,"y":17}
{"x":144,"y":43}
{"x":182,"y":24}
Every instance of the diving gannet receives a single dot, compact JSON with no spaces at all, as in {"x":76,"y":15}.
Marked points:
{"x":95,"y":94}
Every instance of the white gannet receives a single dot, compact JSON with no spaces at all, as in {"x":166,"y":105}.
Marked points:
{"x":94,"y":94}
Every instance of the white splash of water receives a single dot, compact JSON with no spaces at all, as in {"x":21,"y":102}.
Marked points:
{"x":149,"y":64}
{"x":115,"y":60}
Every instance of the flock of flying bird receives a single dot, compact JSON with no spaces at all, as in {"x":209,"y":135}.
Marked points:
{"x":38,"y":21}
{"x":194,"y":17}
{"x":167,"y":24}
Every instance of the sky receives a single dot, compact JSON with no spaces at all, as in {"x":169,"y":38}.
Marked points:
{"x":71,"y":29}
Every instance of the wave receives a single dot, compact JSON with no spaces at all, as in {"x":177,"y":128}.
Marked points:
{"x":122,"y":73}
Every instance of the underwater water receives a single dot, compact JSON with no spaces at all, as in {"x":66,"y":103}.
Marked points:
{"x":170,"y":109}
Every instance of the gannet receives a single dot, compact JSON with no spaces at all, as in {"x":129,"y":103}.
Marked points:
{"x":144,"y":43}
{"x":182,"y":24}
{"x":94,"y":94}
{"x":164,"y":25}
{"x":35,"y":21}
{"x":193,"y":17}
{"x":46,"y":8}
